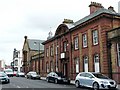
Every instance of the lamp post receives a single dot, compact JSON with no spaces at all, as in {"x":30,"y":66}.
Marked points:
{"x":14,"y":56}
{"x":38,"y":55}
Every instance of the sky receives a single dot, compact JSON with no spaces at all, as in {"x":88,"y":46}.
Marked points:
{"x":36,"y":18}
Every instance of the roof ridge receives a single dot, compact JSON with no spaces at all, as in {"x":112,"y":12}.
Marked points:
{"x":96,"y":13}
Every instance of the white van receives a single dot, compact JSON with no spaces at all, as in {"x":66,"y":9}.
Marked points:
{"x":9,"y":72}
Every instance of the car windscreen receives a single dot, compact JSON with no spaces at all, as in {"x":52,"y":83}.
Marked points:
{"x":9,"y":70}
{"x":2,"y":74}
{"x":33,"y":73}
{"x":98,"y":75}
{"x":60,"y":74}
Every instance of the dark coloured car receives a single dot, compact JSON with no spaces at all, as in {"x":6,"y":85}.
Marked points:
{"x":33,"y":75}
{"x":4,"y":78}
{"x":57,"y":77}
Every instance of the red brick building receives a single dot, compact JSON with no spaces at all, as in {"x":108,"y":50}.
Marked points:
{"x":82,"y":45}
{"x":33,"y":58}
{"x":114,"y":51}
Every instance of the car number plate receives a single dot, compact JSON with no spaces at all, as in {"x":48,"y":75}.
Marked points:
{"x":65,"y":80}
{"x":2,"y":80}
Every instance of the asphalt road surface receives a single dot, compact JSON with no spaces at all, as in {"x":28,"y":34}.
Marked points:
{"x":22,"y":82}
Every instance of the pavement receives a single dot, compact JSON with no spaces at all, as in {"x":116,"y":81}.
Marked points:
{"x":73,"y":82}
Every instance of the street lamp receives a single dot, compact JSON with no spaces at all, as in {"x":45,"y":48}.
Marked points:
{"x":38,"y":55}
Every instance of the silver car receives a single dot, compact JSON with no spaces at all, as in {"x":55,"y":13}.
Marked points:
{"x":94,"y":80}
{"x":33,"y":75}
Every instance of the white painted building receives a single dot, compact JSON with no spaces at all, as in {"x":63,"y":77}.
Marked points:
{"x":2,"y":65}
{"x":17,"y":60}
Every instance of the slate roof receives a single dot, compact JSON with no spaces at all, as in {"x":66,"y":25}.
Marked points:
{"x":34,"y":44}
{"x":98,"y":12}
{"x":85,"y":19}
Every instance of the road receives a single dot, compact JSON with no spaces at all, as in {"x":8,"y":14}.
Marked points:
{"x":21,"y":82}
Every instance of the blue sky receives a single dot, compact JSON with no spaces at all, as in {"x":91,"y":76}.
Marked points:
{"x":35,"y":18}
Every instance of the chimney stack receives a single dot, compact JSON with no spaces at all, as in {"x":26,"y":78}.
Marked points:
{"x":67,"y":21}
{"x":111,"y":8}
{"x":94,"y":7}
{"x":25,"y":37}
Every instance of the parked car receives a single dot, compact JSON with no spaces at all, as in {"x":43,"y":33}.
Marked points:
{"x":20,"y":74}
{"x":94,"y":80}
{"x":4,"y":78}
{"x":33,"y":75}
{"x":9,"y":72}
{"x":57,"y":77}
{"x":14,"y":73}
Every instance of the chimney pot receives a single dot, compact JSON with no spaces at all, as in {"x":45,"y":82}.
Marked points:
{"x":68,"y":21}
{"x":25,"y":37}
{"x":111,"y":8}
{"x":94,"y":7}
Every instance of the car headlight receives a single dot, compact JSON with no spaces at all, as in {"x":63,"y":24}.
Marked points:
{"x":104,"y":82}
{"x":59,"y":78}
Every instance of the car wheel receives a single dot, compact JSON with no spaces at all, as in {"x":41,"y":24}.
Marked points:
{"x":77,"y":84}
{"x":56,"y":81}
{"x":68,"y":82}
{"x":47,"y":79}
{"x":95,"y":86}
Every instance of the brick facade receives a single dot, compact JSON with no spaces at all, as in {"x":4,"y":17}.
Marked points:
{"x":85,"y":45}
{"x":114,"y":40}
{"x":101,"y":21}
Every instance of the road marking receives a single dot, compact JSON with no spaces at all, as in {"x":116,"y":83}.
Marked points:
{"x":18,"y":87}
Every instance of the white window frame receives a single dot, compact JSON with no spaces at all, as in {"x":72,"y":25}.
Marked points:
{"x":77,"y":65}
{"x":76,"y":43}
{"x":51,"y":51}
{"x":86,"y":63}
{"x":65,"y":46}
{"x":95,"y":37}
{"x":47,"y":52}
{"x":47,"y":67}
{"x":118,"y":53}
{"x":51,"y":66}
{"x":16,"y":62}
{"x":96,"y":63}
{"x":84,"y":40}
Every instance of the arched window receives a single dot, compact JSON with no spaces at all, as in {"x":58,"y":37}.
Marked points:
{"x":51,"y":66}
{"x":118,"y":53}
{"x":96,"y":63}
{"x":16,"y":62}
{"x":47,"y":67}
{"x":77,"y":64}
{"x":85,"y":58}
